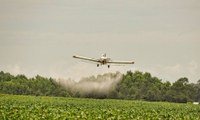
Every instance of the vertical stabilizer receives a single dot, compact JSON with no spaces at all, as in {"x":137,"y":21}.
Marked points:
{"x":104,"y":55}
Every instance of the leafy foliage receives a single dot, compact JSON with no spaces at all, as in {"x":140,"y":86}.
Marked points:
{"x":30,"y":107}
{"x":34,"y":86}
{"x":143,"y":86}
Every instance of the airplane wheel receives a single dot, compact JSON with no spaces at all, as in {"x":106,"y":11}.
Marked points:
{"x":97,"y":65}
{"x":108,"y":66}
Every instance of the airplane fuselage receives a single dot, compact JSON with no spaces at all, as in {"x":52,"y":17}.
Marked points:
{"x":104,"y":60}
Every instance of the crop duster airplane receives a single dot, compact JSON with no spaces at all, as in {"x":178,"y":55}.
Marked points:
{"x":103,"y":60}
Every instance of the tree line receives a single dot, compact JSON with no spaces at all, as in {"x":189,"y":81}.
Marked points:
{"x":143,"y":86}
{"x":134,"y":86}
{"x":21,"y":85}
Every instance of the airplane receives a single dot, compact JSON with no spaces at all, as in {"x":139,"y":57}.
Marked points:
{"x":103,"y":60}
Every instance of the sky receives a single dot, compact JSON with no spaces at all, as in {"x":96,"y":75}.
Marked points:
{"x":40,"y":37}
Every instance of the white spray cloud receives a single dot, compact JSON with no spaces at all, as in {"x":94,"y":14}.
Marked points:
{"x":98,"y":86}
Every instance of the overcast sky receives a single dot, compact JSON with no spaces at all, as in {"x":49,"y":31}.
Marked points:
{"x":41,"y":36}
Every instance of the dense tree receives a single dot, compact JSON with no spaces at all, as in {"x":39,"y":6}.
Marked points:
{"x":181,"y":91}
{"x":197,"y":90}
{"x":39,"y":85}
{"x":133,"y":85}
{"x":5,"y":76}
{"x":143,"y":86}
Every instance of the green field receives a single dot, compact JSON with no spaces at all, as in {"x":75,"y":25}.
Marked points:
{"x":31,"y":107}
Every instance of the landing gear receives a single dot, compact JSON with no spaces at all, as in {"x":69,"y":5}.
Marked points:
{"x":97,"y":65}
{"x":108,"y":66}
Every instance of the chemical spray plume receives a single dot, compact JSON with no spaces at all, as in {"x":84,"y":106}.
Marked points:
{"x":99,"y":86}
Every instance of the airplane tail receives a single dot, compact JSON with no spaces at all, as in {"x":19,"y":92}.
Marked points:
{"x":104,"y":55}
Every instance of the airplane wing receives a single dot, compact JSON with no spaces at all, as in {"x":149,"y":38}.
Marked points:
{"x":121,"y":62}
{"x":86,"y":58}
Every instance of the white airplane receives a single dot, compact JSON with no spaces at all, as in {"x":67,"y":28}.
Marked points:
{"x":103,"y":60}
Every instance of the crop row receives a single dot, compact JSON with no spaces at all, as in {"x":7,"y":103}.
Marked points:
{"x":31,"y":107}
